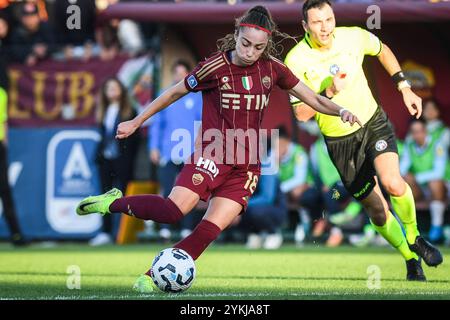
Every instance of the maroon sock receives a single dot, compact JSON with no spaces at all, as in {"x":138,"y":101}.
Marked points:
{"x":148,"y":207}
{"x":194,"y":244}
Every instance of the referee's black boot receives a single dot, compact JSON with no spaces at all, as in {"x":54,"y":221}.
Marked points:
{"x":429,"y":253}
{"x":414,"y":270}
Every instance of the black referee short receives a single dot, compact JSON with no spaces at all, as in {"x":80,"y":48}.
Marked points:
{"x":354,"y":154}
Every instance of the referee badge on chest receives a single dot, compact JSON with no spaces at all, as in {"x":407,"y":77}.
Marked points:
{"x":334,"y":69}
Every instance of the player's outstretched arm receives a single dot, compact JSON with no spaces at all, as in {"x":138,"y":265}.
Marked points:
{"x":390,"y":63}
{"x":127,"y":128}
{"x":322,"y":104}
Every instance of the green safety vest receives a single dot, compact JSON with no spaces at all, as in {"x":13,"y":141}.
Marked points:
{"x":400,"y":147}
{"x":435,"y":136}
{"x":287,"y":168}
{"x":421,"y":162}
{"x":447,"y":171}
{"x":437,"y":133}
{"x":424,"y":161}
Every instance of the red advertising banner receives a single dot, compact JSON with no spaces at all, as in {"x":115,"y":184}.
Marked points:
{"x":56,"y":93}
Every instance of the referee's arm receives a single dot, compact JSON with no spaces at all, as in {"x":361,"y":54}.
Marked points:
{"x":388,"y":60}
{"x":390,"y":63}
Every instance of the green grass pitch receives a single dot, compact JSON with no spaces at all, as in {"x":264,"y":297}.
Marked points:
{"x":224,"y":272}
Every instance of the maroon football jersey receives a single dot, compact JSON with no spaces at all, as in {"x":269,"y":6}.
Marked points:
{"x":234,"y":102}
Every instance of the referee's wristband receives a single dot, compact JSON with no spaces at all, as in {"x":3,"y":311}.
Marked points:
{"x":403,"y":84}
{"x":341,"y":111}
{"x":398,"y":77}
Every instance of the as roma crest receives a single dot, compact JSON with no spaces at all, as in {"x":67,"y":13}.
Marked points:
{"x":197,"y":179}
{"x":266,"y":82}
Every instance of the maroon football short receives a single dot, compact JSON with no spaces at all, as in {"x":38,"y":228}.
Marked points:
{"x":210,"y":180}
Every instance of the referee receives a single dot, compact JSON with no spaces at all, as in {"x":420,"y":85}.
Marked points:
{"x":6,"y":197}
{"x":329,"y":60}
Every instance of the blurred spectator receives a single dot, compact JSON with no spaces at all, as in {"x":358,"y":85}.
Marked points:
{"x":108,"y":40}
{"x":332,"y":195}
{"x":438,"y":132}
{"x":115,"y":158}
{"x":33,"y":39}
{"x":4,"y":54}
{"x":130,"y":37}
{"x":5,"y":190}
{"x":295,"y":178}
{"x":165,"y":130}
{"x":75,"y":43}
{"x":328,"y":194}
{"x":137,"y":75}
{"x":435,"y":127}
{"x":103,"y":4}
{"x":423,"y":165}
{"x":42,"y":8}
{"x":266,"y":214}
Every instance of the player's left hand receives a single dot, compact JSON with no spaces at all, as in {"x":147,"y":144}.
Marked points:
{"x":413,"y":102}
{"x":349,"y":117}
{"x":126,"y":129}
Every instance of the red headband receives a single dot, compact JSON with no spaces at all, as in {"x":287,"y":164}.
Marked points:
{"x":255,"y":26}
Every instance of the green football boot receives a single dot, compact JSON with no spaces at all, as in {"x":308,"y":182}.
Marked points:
{"x":143,"y":284}
{"x":98,"y":204}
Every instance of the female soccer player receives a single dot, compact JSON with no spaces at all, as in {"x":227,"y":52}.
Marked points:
{"x":236,"y":83}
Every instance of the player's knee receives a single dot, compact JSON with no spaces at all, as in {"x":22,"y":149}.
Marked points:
{"x":395,"y":186}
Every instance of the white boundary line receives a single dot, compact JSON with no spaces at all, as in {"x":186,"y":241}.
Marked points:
{"x":162,"y":296}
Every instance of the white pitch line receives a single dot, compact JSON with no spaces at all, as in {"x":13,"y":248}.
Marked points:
{"x":226,"y":295}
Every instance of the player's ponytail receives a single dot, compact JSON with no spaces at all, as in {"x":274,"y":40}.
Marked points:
{"x":258,"y":17}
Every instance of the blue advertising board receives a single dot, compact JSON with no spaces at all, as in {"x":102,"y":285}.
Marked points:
{"x":50,"y":171}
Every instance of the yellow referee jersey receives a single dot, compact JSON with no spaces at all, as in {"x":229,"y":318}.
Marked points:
{"x":316,"y":69}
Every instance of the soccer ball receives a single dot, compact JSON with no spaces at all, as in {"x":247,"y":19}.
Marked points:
{"x":173,"y":270}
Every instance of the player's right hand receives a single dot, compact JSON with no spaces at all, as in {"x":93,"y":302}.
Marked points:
{"x":413,"y":102}
{"x":126,"y":129}
{"x":349,"y":117}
